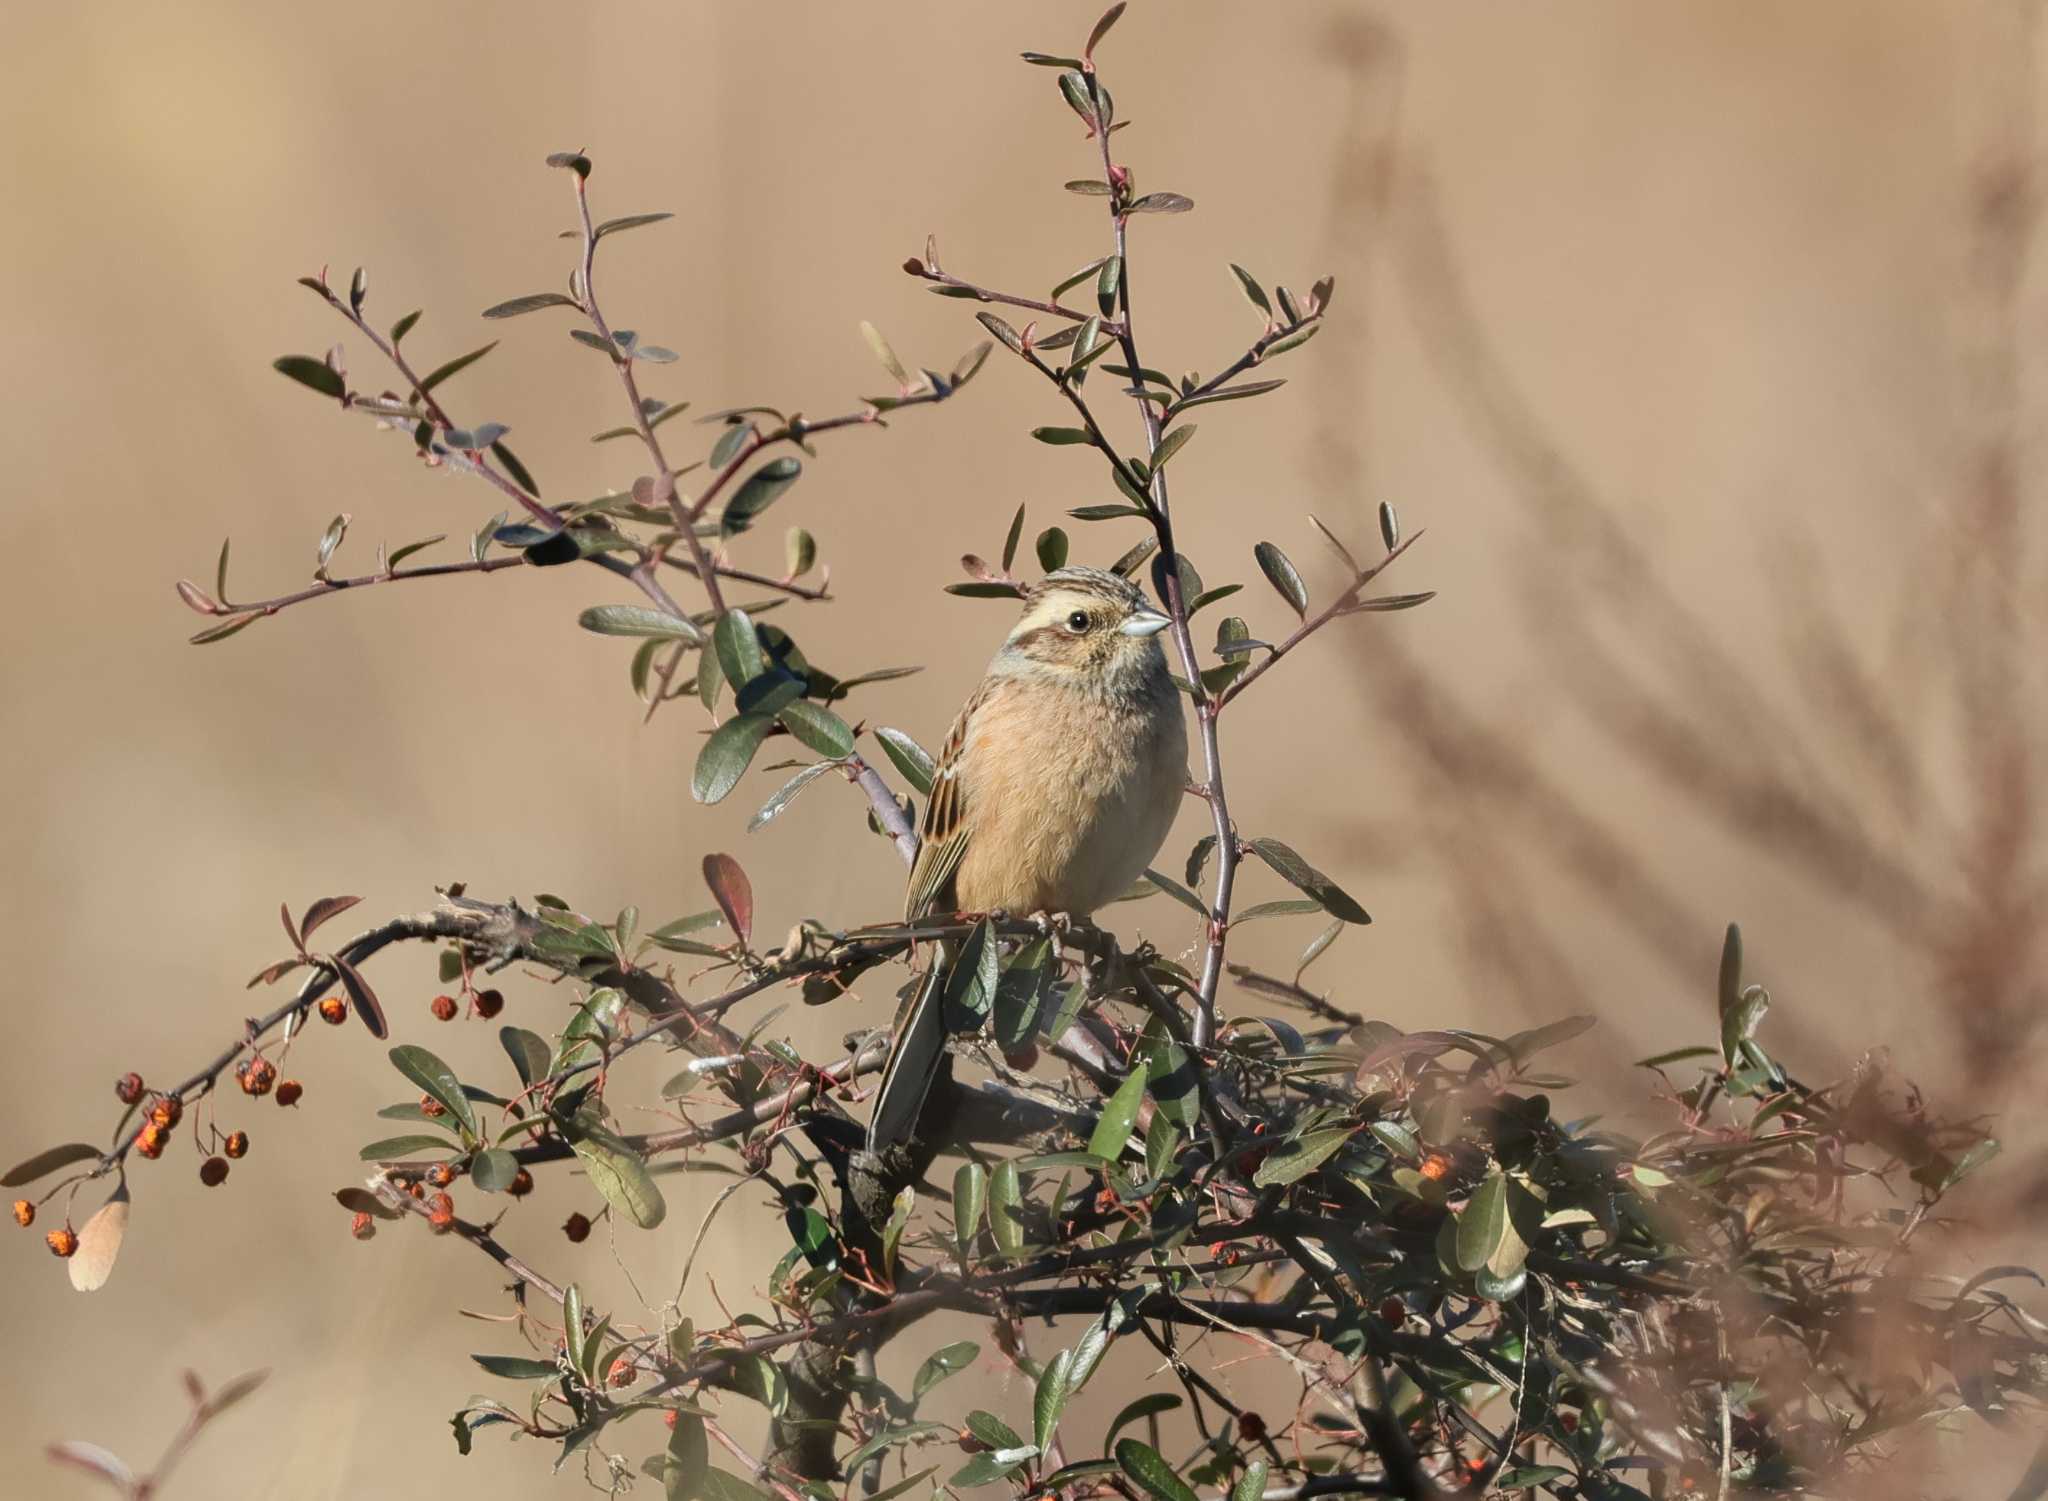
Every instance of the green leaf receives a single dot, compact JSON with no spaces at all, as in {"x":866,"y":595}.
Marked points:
{"x":1227,"y":393}
{"x":727,"y":754}
{"x":738,"y":645}
{"x":1253,"y":292}
{"x":460,"y":363}
{"x":628,"y":221}
{"x":493,"y":1170}
{"x":989,"y":1467}
{"x":1170,"y":445}
{"x":529,"y":1053}
{"x":392,"y":1148}
{"x":1145,"y":1465}
{"x":1281,"y":574}
{"x":1052,"y":549}
{"x":1178,"y":892}
{"x":1487,"y":1238}
{"x":1162,"y":203}
{"x":404,"y":325}
{"x":1049,"y":1397}
{"x":970,"y":1197}
{"x":818,"y":728}
{"x":1061,"y":436}
{"x":518,"y":1367}
{"x":689,"y":1459}
{"x":1252,"y":1484}
{"x":532,"y":303}
{"x":1147,"y":1406}
{"x":909,"y":758}
{"x":942,"y":1363}
{"x":1005,"y":1211}
{"x":757,"y":492}
{"x":1306,"y":878}
{"x":307,"y":371}
{"x":888,"y":1438}
{"x":1113,"y":1131}
{"x":1087,"y":187}
{"x":993,"y":1431}
{"x":1296,"y":1159}
{"x":620,"y":1174}
{"x":572,"y":1324}
{"x":638,"y":620}
{"x":786,"y":794}
{"x":437,"y":1079}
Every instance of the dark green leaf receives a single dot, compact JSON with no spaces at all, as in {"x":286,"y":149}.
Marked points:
{"x":460,"y":363}
{"x":628,"y":221}
{"x":987,"y":1468}
{"x":1052,"y":549}
{"x":528,"y":1051}
{"x":619,"y":1173}
{"x":757,"y":492}
{"x":1171,"y":444}
{"x":404,"y":325}
{"x":909,"y":758}
{"x":1294,"y":1160}
{"x":307,"y":371}
{"x":393,"y":1148}
{"x":1178,"y":892}
{"x":942,"y":1363}
{"x":1061,"y":435}
{"x":518,"y":1367}
{"x":993,"y":1431}
{"x":1145,"y":1465}
{"x":1119,"y":1114}
{"x":1006,"y":1211}
{"x":531,"y":303}
{"x":1282,"y":575}
{"x":521,"y":475}
{"x":738,"y":646}
{"x":1254,"y":293}
{"x":437,"y":1079}
{"x":493,"y":1170}
{"x":1049,"y":1397}
{"x":818,"y":728}
{"x":1305,"y":877}
{"x":1088,"y":187}
{"x":1227,"y":393}
{"x":970,"y":1197}
{"x":1148,"y":1406}
{"x":1252,"y":1484}
{"x":638,"y":620}
{"x":726,"y":755}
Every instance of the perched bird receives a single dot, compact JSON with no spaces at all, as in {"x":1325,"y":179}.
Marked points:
{"x":1054,"y":790}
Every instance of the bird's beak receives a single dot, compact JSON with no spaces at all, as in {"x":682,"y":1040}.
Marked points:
{"x":1145,"y":623}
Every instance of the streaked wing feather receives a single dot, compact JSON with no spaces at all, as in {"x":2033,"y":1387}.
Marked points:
{"x":943,"y":833}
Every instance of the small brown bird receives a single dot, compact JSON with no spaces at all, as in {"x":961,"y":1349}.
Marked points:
{"x":1054,"y":790}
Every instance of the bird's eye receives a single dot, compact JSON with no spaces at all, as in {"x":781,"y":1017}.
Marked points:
{"x":1078,"y":622}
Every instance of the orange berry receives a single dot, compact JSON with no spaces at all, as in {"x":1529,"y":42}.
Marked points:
{"x":441,"y":1221}
{"x":577,"y":1228}
{"x":167,"y":1111}
{"x":440,"y":1175}
{"x":621,"y":1373}
{"x":489,"y":1003}
{"x":62,"y":1242}
{"x":1436,"y":1167}
{"x":289,"y":1091}
{"x":668,"y":1419}
{"x":444,"y":1008}
{"x":237,"y":1144}
{"x":151,"y":1142}
{"x":334,"y":1010}
{"x":257,"y":1076}
{"x":440,"y":1202}
{"x":128,"y":1088}
{"x":417,"y":1190}
{"x":213,"y":1172}
{"x":362,"y":1227}
{"x":432,"y":1108}
{"x":24,"y":1213}
{"x":521,"y":1184}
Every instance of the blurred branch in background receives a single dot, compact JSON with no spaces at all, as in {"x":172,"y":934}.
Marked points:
{"x":1904,"y":784}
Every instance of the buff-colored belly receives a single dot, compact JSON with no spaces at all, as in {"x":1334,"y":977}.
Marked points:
{"x":1068,"y":829}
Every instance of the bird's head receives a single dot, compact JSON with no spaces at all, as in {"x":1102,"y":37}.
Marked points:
{"x":1089,"y":627}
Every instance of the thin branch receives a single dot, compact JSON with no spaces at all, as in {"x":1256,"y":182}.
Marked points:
{"x":1341,"y":605}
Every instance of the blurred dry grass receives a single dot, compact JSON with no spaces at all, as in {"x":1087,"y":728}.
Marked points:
{"x":1694,"y":334}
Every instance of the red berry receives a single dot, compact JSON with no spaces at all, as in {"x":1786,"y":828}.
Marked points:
{"x":237,"y":1144}
{"x":128,"y":1088}
{"x":1023,"y":1057}
{"x":668,"y":1419}
{"x":489,"y":1003}
{"x":621,"y":1373}
{"x":24,"y":1213}
{"x":1252,"y":1426}
{"x":441,"y":1221}
{"x":167,"y":1111}
{"x":257,"y":1076}
{"x":577,"y":1228}
{"x":444,"y":1008}
{"x":289,"y":1091}
{"x":213,"y":1172}
{"x":521,"y":1184}
{"x":1393,"y":1311}
{"x":62,"y":1242}
{"x":362,"y":1227}
{"x":334,"y":1010}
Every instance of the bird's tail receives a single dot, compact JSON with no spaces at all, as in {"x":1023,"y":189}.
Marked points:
{"x":916,"y":1054}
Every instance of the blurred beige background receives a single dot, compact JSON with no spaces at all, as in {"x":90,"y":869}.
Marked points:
{"x":1688,"y":332}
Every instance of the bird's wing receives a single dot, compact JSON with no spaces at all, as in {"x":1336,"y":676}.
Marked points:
{"x":917,"y":1056}
{"x":942,"y":836}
